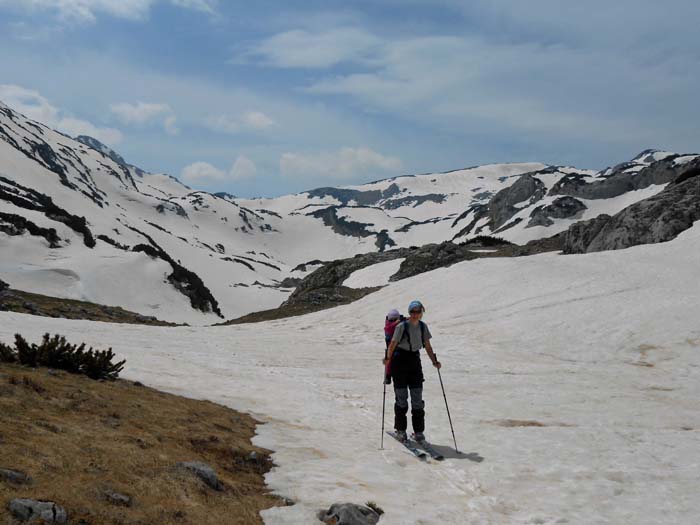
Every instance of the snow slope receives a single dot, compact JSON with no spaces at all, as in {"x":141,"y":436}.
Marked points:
{"x":600,"y":353}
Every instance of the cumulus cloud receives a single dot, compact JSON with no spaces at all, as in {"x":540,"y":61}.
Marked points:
{"x":344,"y":164}
{"x":33,"y":105}
{"x":304,"y":49}
{"x":203,"y":172}
{"x":248,"y":121}
{"x":88,"y":10}
{"x":143,"y":112}
{"x":243,"y":168}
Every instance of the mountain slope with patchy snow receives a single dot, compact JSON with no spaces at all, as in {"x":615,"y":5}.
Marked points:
{"x":77,"y":221}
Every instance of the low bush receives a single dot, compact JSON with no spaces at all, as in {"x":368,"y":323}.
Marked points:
{"x":56,"y":352}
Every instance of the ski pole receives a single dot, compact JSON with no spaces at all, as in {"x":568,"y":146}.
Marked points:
{"x":383,"y":410}
{"x":448,"y":410}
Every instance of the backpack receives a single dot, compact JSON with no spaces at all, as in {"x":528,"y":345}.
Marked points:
{"x":406,"y":336}
{"x":390,"y":328}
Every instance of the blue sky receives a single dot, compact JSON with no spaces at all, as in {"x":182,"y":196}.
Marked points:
{"x":273,"y":97}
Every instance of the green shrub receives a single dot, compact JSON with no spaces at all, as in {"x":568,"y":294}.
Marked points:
{"x":7,"y":354}
{"x":56,"y":352}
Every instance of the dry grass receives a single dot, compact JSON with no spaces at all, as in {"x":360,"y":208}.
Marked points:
{"x":78,"y":438}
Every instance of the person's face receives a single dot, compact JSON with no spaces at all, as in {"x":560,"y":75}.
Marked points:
{"x":416,"y":314}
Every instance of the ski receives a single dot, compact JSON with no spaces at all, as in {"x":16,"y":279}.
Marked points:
{"x":410,"y":445}
{"x":427,"y":447}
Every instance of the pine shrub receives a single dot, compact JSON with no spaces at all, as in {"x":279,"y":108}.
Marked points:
{"x":56,"y":352}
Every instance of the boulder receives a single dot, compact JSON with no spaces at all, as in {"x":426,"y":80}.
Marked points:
{"x":349,"y":514}
{"x":115,"y":498}
{"x":203,"y":472}
{"x":14,"y":476}
{"x":33,"y":510}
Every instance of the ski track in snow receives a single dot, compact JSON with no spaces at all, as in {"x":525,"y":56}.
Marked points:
{"x":601,"y":350}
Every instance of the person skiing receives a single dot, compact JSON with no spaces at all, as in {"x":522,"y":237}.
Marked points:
{"x":406,"y":371}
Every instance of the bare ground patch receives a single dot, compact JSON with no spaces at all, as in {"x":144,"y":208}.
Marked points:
{"x":80,"y":440}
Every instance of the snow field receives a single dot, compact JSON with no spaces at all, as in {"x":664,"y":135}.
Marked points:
{"x":574,"y":379}
{"x":375,"y":275}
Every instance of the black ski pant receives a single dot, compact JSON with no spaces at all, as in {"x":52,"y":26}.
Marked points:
{"x":407,"y":373}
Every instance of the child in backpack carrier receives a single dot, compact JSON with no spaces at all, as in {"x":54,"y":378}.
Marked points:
{"x":393,"y":318}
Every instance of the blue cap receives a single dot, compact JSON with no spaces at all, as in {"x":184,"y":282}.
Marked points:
{"x":393,"y":315}
{"x":416,"y":304}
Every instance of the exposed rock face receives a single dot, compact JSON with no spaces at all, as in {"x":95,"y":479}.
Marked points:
{"x":657,"y":219}
{"x":360,"y":198}
{"x":432,"y":256}
{"x":42,"y":511}
{"x":502,"y":206}
{"x":349,"y":514}
{"x":343,"y":226}
{"x":561,"y":208}
{"x":203,"y":472}
{"x":660,"y":172}
{"x":323,"y":286}
{"x":3,"y":286}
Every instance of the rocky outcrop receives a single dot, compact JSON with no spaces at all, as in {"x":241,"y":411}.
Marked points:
{"x":359,"y":197}
{"x":432,"y":256}
{"x":621,"y":181}
{"x":502,"y":206}
{"x":342,"y":226}
{"x":3,"y":286}
{"x":185,"y":281}
{"x":349,"y":514}
{"x":324,"y":286}
{"x":561,"y":208}
{"x":657,"y":219}
{"x":29,"y":510}
{"x":30,"y":199}
{"x":12,"y":224}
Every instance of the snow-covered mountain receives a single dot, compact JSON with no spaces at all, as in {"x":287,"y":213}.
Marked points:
{"x":78,"y":221}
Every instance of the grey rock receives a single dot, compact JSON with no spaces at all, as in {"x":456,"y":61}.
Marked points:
{"x":619,"y":182}
{"x":32,"y":510}
{"x":349,"y":514}
{"x":502,"y":206}
{"x":3,"y":286}
{"x":14,"y":476}
{"x":561,"y":208}
{"x":657,"y":219}
{"x":115,"y":498}
{"x":204,"y":472}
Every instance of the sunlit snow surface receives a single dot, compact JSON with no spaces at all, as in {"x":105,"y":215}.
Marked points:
{"x":375,"y":275}
{"x":602,"y":349}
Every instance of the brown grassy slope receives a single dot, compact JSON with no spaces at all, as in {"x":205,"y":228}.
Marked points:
{"x":31,"y":303}
{"x":78,"y":438}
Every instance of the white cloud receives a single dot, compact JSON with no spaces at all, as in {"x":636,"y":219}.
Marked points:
{"x":143,"y":112}
{"x":139,"y":113}
{"x":170,"y":125}
{"x":344,"y":164}
{"x":248,"y":121}
{"x":303,"y":49}
{"x":203,"y":172}
{"x":33,"y":105}
{"x":199,"y":171}
{"x":243,"y":168}
{"x":87,"y":10}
